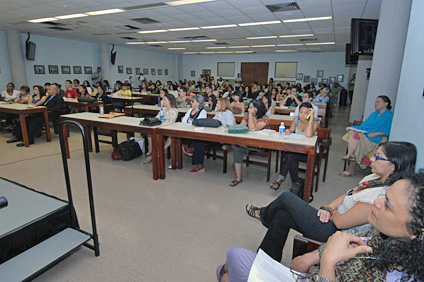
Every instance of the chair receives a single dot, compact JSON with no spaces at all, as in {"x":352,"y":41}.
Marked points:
{"x":303,"y":245}
{"x":260,"y":153}
{"x":224,"y":156}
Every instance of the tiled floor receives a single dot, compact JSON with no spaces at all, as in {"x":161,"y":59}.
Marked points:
{"x":177,"y":229}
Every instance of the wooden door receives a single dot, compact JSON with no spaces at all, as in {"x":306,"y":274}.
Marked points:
{"x":251,"y":72}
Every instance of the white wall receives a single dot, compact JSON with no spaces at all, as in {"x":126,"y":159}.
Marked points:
{"x":308,"y":63}
{"x":5,"y":76}
{"x":361,"y":89}
{"x":407,"y":123}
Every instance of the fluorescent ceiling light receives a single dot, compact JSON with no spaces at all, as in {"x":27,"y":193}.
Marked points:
{"x":185,"y":2}
{"x":135,"y":42}
{"x":260,"y":46}
{"x":104,"y":12}
{"x":217,"y":47}
{"x":175,"y":48}
{"x":153,"y":31}
{"x":207,"y":52}
{"x":307,"y":19}
{"x":290,"y":44}
{"x":190,"y":53}
{"x":226,"y":52}
{"x":321,"y":43}
{"x":42,"y":20}
{"x":262,"y":37}
{"x":283,"y":51}
{"x":218,"y":26}
{"x":183,"y":28}
{"x":204,"y":40}
{"x":179,"y":41}
{"x":156,"y":42}
{"x":238,"y":47}
{"x":259,"y":23}
{"x":243,"y":52}
{"x":73,"y":16}
{"x":296,"y":35}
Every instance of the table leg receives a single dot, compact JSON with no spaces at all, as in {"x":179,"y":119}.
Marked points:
{"x":310,"y":167}
{"x":46,"y":122}
{"x":173,"y":153}
{"x":161,"y":156}
{"x":24,"y":129}
{"x":65,"y":139}
{"x":88,"y":134}
{"x":96,"y":139}
{"x":179,"y":153}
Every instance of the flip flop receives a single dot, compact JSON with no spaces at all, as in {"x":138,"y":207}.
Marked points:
{"x":253,"y":211}
{"x":275,"y":185}
{"x":235,"y":182}
{"x":346,"y":174}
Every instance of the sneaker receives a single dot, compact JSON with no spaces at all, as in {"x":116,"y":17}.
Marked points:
{"x":194,"y":170}
{"x":170,"y":166}
{"x":187,"y":151}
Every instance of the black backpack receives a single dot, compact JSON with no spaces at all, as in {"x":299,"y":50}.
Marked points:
{"x":129,"y":150}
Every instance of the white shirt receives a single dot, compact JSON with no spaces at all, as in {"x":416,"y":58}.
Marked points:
{"x":226,"y":118}
{"x":187,"y":118}
{"x":7,"y":97}
{"x":296,"y":112}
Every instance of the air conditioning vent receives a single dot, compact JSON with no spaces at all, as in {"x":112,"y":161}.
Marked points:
{"x":102,"y":33}
{"x":128,"y":38}
{"x":60,"y":28}
{"x":155,"y":45}
{"x":147,"y":6}
{"x":283,"y":7}
{"x":221,"y":43}
{"x":308,"y":39}
{"x":196,"y":38}
{"x":145,"y":20}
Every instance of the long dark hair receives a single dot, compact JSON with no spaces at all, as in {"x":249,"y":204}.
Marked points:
{"x":259,"y":105}
{"x":386,"y":100}
{"x":172,"y":100}
{"x":40,"y":90}
{"x":268,"y":97}
{"x":305,"y":105}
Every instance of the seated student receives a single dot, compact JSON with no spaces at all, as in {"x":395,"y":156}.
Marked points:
{"x":292,"y":99}
{"x":173,"y":90}
{"x":255,"y":119}
{"x":238,"y":106}
{"x":280,"y":94}
{"x":54,"y":104}
{"x":300,"y":125}
{"x":229,"y":91}
{"x":102,"y":95}
{"x":46,"y":86}
{"x":87,"y":84}
{"x":392,"y":251}
{"x":274,"y":94}
{"x":269,"y":104}
{"x":10,"y":93}
{"x":61,"y":91}
{"x":70,"y":92}
{"x":183,"y":101}
{"x":226,"y":117}
{"x":323,"y":96}
{"x":82,"y":89}
{"x":170,"y":115}
{"x":162,"y":94}
{"x":362,"y":145}
{"x":307,"y":98}
{"x":210,"y":100}
{"x":247,"y":93}
{"x":125,"y":91}
{"x":23,"y":95}
{"x":39,"y":96}
{"x":347,"y":212}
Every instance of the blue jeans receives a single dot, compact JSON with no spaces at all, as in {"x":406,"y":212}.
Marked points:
{"x":287,"y":212}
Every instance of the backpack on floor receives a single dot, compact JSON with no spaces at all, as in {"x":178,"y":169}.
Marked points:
{"x":129,"y":150}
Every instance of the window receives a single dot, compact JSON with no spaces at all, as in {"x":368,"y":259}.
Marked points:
{"x":285,"y":70}
{"x":226,"y":69}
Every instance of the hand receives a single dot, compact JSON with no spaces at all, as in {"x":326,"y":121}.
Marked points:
{"x":324,"y":216}
{"x":372,"y":134}
{"x":303,"y":263}
{"x":286,"y":132}
{"x":312,"y":112}
{"x":342,"y":246}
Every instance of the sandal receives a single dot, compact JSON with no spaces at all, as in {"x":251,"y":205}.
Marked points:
{"x":346,"y":174}
{"x":148,"y":154}
{"x":235,"y":182}
{"x":349,"y":158}
{"x":253,"y":211}
{"x":275,"y":185}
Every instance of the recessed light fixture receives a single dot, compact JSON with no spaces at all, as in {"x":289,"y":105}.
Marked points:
{"x":321,"y":43}
{"x":226,"y":52}
{"x":73,"y":16}
{"x":243,"y":52}
{"x":262,"y":37}
{"x":235,"y":47}
{"x":285,"y":51}
{"x":216,"y":47}
{"x":156,"y":42}
{"x":190,"y":53}
{"x":259,"y":23}
{"x":135,"y":42}
{"x":183,"y":28}
{"x":261,"y":46}
{"x":42,"y":20}
{"x":185,"y":2}
{"x":175,"y":48}
{"x":296,"y":35}
{"x":207,"y":52}
{"x":204,"y":40}
{"x":218,"y":26}
{"x":105,"y":12}
{"x":153,"y":31}
{"x":179,"y":41}
{"x":290,"y":44}
{"x":307,"y":19}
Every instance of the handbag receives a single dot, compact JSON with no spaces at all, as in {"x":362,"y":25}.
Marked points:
{"x":298,"y":188}
{"x":86,"y":99}
{"x":129,"y":150}
{"x":238,"y":128}
{"x":207,"y":122}
{"x":150,"y":121}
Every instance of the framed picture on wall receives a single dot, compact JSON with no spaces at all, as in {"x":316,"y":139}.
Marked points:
{"x":306,"y":78}
{"x":299,"y":76}
{"x":332,"y":79}
{"x":320,"y":73}
{"x":340,"y":78}
{"x":88,"y":70}
{"x":314,"y":81}
{"x":77,"y":70}
{"x":193,"y":73}
{"x":53,"y":69}
{"x":324,"y":80}
{"x":129,"y":70}
{"x":166,"y":71}
{"x":137,"y":71}
{"x":145,"y":71}
{"x":66,"y":69}
{"x":120,"y":69}
{"x":39,"y":69}
{"x":153,"y":71}
{"x":159,"y":71}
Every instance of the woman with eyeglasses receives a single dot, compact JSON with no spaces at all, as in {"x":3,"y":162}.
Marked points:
{"x":349,"y":212}
{"x":363,"y":139}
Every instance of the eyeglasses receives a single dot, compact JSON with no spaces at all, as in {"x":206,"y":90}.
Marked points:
{"x":377,"y":158}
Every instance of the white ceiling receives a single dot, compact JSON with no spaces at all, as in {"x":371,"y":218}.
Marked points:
{"x":110,"y":28}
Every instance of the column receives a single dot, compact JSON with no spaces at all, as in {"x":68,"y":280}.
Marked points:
{"x":105,"y":62}
{"x":388,"y":52}
{"x":16,"y":58}
{"x":361,"y":88}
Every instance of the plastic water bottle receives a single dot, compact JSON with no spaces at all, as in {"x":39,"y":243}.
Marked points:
{"x":281,"y":130}
{"x":101,"y":109}
{"x":159,"y":101}
{"x":162,"y":115}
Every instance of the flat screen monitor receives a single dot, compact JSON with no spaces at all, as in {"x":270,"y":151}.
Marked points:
{"x":30,"y":50}
{"x":363,"y":33}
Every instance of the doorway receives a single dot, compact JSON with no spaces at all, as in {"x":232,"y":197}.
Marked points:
{"x":251,"y":72}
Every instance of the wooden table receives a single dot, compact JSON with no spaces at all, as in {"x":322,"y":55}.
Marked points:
{"x":148,"y":98}
{"x":122,"y":123}
{"x":126,"y":99}
{"x":23,"y":110}
{"x":178,"y":132}
{"x":84,"y":105}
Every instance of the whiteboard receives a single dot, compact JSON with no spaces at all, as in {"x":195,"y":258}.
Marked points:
{"x":285,"y":70}
{"x":226,"y":69}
